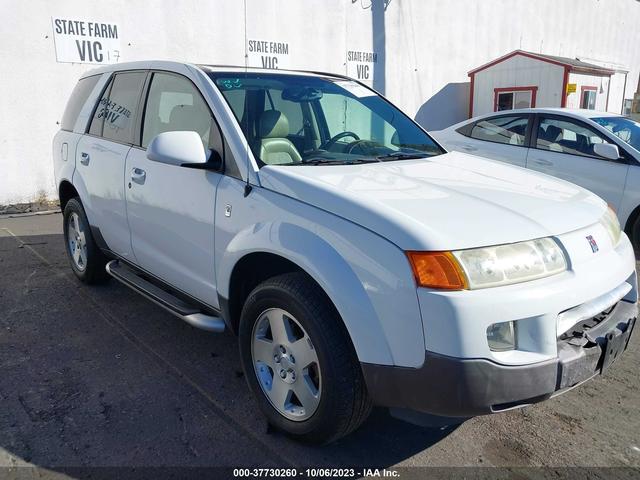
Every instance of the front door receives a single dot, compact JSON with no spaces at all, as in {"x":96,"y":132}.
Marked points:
{"x":171,"y":208}
{"x":563,"y":147}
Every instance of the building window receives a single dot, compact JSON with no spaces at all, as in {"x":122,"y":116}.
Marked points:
{"x":514,"y":97}
{"x":588,"y":98}
{"x":626,"y":106}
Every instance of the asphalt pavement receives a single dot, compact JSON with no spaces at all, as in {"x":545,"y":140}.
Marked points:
{"x":100,"y":376}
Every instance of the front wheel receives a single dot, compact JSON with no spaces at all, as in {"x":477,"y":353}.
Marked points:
{"x":299,"y":361}
{"x":635,"y":234}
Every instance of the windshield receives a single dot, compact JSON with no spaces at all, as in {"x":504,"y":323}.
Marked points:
{"x":624,"y":128}
{"x":297,"y":120}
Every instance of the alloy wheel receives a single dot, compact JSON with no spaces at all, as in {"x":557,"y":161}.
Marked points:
{"x":286,"y":364}
{"x":77,"y":242}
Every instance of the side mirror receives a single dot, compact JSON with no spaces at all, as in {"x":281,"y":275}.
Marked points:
{"x":607,"y":150}
{"x":177,"y":148}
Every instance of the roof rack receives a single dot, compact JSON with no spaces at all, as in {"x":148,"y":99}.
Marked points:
{"x":315,"y":72}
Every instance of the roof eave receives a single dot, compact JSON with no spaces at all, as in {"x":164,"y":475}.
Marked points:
{"x":599,"y":72}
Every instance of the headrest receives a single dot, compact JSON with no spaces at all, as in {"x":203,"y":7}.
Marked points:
{"x":552,"y":133}
{"x":190,"y":118}
{"x":273,"y":124}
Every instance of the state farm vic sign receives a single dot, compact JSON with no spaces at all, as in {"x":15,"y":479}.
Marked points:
{"x":85,"y":41}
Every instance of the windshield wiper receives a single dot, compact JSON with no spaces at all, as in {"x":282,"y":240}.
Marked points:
{"x":334,"y":161}
{"x":401,"y":156}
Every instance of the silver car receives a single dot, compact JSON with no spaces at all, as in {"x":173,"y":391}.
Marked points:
{"x":596,"y":150}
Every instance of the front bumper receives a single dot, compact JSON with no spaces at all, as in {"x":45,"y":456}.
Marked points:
{"x":457,"y":387}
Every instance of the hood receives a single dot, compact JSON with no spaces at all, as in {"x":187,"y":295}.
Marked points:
{"x":448,"y":202}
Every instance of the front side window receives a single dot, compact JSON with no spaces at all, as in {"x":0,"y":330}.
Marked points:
{"x":293,"y":119}
{"x":624,"y":128}
{"x":78,"y":98}
{"x":114,"y":117}
{"x":566,"y":136}
{"x":510,"y":130}
{"x":174,"y":104}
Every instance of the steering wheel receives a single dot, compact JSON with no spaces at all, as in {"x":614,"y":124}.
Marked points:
{"x":331,"y":142}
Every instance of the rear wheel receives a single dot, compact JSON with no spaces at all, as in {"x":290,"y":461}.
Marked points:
{"x":299,"y":361}
{"x":87,"y":261}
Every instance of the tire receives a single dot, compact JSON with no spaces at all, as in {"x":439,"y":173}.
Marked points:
{"x":635,"y":234}
{"x":86,"y":259}
{"x":342,"y":402}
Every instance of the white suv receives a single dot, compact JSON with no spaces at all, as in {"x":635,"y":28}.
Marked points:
{"x":358,"y":262}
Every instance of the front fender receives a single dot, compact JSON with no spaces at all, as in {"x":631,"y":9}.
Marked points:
{"x":327,"y":267}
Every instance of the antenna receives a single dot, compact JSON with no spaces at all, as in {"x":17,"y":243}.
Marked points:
{"x":247,"y":186}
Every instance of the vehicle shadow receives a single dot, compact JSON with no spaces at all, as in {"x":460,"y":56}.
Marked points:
{"x":447,"y":107}
{"x":384,"y":441}
{"x":90,"y":374}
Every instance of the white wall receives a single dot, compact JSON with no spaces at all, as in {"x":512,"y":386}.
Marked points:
{"x":616,"y":91}
{"x":424,"y":51}
{"x":518,"y":71}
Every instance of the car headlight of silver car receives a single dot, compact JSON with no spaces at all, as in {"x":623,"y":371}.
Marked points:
{"x":512,"y":263}
{"x":610,"y":222}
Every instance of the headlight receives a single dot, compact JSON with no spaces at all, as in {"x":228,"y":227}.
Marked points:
{"x":489,"y":266}
{"x":610,"y":221}
{"x":513,"y":263}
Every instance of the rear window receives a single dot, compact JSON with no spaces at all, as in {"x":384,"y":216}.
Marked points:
{"x":79,"y":96}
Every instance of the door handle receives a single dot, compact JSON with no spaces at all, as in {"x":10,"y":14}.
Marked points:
{"x":138,"y":176}
{"x":540,"y":161}
{"x":469,"y":148}
{"x":84,"y":158}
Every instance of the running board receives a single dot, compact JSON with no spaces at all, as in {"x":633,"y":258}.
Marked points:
{"x":181,"y":309}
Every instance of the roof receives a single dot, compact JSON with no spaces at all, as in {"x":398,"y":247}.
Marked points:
{"x":578,"y":113}
{"x":177,"y":66}
{"x":569,"y":112}
{"x":573,"y":64}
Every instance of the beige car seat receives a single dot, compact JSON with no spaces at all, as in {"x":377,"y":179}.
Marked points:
{"x":274,"y":146}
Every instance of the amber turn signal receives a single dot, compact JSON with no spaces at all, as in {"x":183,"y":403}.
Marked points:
{"x":437,"y":270}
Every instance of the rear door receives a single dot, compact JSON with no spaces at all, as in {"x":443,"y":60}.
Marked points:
{"x":101,"y":156}
{"x":563,"y":147}
{"x":171,"y":208}
{"x":72,"y":129}
{"x":502,"y":137}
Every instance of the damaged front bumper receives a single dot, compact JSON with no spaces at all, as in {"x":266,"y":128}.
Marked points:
{"x":458,"y":387}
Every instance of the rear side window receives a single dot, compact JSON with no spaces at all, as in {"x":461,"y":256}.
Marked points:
{"x":114,"y":118}
{"x":78,"y":98}
{"x":510,"y":130}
